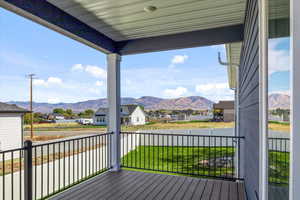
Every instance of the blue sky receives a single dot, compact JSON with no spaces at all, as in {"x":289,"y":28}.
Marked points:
{"x":68,"y":71}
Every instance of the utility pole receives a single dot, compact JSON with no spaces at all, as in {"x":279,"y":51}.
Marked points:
{"x":31,"y":77}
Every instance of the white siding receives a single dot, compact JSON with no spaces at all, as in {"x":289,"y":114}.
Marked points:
{"x":10,"y":131}
{"x":138,"y":117}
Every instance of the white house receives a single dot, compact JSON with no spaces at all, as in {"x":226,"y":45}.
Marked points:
{"x":11,"y":126}
{"x":130,"y":115}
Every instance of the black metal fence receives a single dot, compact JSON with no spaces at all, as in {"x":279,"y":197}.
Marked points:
{"x":279,"y":157}
{"x":39,"y":171}
{"x":12,"y":183}
{"x":195,"y":155}
{"x":42,"y":170}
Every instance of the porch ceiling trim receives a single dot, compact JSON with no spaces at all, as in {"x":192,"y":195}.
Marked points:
{"x":47,"y":14}
{"x":206,"y":37}
{"x":52,"y":17}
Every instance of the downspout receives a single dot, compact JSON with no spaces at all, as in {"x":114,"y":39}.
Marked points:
{"x":236,"y":105}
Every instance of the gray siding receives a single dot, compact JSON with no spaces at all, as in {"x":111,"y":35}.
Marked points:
{"x":249,"y":99}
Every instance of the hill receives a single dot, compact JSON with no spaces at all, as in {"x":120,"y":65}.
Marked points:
{"x":279,"y":101}
{"x":149,"y":102}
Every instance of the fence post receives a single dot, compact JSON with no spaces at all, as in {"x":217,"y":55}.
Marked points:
{"x":28,"y":170}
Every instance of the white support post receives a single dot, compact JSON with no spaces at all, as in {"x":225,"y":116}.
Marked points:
{"x":295,"y":101}
{"x":114,"y":99}
{"x":263,"y":99}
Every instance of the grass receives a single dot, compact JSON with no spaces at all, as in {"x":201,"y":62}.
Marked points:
{"x":279,"y":126}
{"x":9,"y":166}
{"x":182,"y":160}
{"x":195,"y":124}
{"x":63,"y":127}
{"x":279,"y":167}
{"x":44,"y":137}
{"x":179,"y":125}
{"x":189,"y":161}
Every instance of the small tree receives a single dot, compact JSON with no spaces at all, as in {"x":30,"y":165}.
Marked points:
{"x":86,"y":113}
{"x":58,"y":111}
{"x":89,"y":112}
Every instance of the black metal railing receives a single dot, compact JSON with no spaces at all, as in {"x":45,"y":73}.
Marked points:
{"x":12,"y":183}
{"x":279,"y":157}
{"x":39,"y":171}
{"x":195,"y":155}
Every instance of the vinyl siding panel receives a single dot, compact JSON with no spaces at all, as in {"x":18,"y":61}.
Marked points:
{"x":10,"y":131}
{"x":249,"y":99}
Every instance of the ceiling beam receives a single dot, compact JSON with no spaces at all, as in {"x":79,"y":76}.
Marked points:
{"x":182,"y":40}
{"x":54,"y":18}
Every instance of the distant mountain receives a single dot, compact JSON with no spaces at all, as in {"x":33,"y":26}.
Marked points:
{"x":279,"y":101}
{"x":150,"y":103}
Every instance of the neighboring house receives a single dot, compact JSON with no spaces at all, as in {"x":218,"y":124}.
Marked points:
{"x":224,"y":111}
{"x":179,"y":117}
{"x":130,"y":115}
{"x":280,"y":118}
{"x":11,"y":126}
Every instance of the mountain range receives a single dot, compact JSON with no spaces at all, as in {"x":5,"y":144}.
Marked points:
{"x":149,"y":103}
{"x":279,"y":101}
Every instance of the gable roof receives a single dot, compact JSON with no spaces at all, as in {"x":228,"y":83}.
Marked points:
{"x":131,"y":108}
{"x":224,"y":105}
{"x":11,"y":108}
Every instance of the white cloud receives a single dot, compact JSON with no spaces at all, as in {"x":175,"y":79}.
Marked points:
{"x":94,"y":90}
{"x":48,"y":82}
{"x":173,"y":93}
{"x":208,"y":87}
{"x":54,"y":80}
{"x":39,"y":82}
{"x":54,"y":100}
{"x":99,"y":83}
{"x":279,"y":59}
{"x":93,"y":70}
{"x":96,"y":71}
{"x":77,"y":67}
{"x":215,"y":91}
{"x":179,"y":59}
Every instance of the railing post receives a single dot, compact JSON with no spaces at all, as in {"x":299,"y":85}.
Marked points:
{"x":28,"y":170}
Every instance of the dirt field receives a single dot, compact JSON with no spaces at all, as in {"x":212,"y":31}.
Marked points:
{"x":44,"y":132}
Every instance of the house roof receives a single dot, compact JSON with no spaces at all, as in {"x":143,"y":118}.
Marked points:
{"x":131,"y":108}
{"x":224,"y":105}
{"x":11,"y":108}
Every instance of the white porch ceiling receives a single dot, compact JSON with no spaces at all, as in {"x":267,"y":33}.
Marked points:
{"x":126,"y":19}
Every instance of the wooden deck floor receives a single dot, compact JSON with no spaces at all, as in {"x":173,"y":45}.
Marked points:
{"x":139,"y":185}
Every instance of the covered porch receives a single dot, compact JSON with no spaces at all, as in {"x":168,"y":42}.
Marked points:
{"x":120,"y":28}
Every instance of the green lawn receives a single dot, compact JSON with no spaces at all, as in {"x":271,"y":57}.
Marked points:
{"x":191,"y":161}
{"x":279,"y":167}
{"x":183,"y":160}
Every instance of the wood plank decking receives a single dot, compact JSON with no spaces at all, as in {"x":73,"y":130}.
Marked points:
{"x":139,"y":185}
